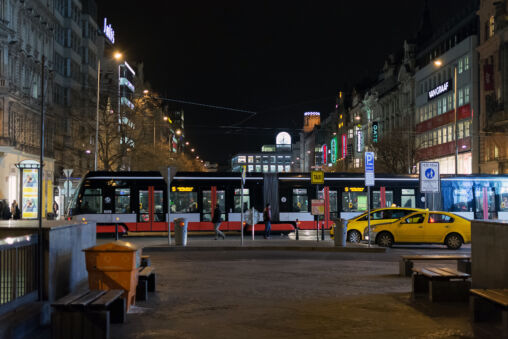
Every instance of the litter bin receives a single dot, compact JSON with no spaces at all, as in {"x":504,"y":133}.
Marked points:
{"x":181,"y":232}
{"x":340,"y":234}
{"x":114,"y":266}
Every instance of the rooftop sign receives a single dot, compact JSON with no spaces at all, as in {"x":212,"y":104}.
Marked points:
{"x":443,"y":88}
{"x":108,"y":31}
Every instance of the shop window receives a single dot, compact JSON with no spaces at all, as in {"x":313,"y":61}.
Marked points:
{"x":92,"y":201}
{"x":300,"y":200}
{"x":184,"y":202}
{"x":122,"y":200}
{"x":238,"y":202}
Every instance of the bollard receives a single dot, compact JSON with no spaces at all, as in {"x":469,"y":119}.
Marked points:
{"x":116,"y":231}
{"x":323,"y":231}
{"x":296,"y":230}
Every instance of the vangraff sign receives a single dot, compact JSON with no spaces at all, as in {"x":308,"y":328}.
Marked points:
{"x":441,"y":89}
{"x":109,"y":32}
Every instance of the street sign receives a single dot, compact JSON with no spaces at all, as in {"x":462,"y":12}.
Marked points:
{"x":318,"y":207}
{"x":67,"y":172}
{"x":317,"y":177}
{"x":369,"y":169}
{"x":429,"y":177}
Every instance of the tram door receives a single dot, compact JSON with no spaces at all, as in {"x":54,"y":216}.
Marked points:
{"x":150,"y":212}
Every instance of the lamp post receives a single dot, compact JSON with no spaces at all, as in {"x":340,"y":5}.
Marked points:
{"x":438,"y":63}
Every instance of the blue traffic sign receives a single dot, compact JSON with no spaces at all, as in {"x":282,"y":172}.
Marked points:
{"x":369,"y":162}
{"x":430,"y":173}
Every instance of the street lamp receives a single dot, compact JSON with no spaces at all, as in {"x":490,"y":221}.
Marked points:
{"x":192,"y":150}
{"x":438,"y":63}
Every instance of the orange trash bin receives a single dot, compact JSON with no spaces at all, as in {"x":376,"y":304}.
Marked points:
{"x":114,"y":266}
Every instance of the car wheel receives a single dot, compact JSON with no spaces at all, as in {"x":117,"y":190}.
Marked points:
{"x":384,"y":239}
{"x":453,"y":241}
{"x":354,"y":236}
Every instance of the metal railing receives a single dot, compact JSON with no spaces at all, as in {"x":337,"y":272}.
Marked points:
{"x":18,"y":270}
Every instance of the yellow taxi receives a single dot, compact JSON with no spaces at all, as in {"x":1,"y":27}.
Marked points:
{"x":423,"y":227}
{"x":356,"y":225}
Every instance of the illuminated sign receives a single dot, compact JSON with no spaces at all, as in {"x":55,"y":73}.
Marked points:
{"x":333,"y":149}
{"x":359,"y":141}
{"x":30,"y":190}
{"x":375,"y":131}
{"x":443,"y":88}
{"x":311,"y":114}
{"x":108,"y":31}
{"x":344,"y":146}
{"x":182,"y":189}
{"x":283,"y":138}
{"x":354,"y":189}
{"x":324,"y":151}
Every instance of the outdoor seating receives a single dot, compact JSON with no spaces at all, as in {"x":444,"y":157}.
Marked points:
{"x":440,"y":284}
{"x":146,"y":283}
{"x":488,"y":304}
{"x":87,"y":314}
{"x":406,"y":262}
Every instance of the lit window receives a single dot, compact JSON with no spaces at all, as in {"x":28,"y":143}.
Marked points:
{"x":450,"y":102}
{"x":466,"y":95}
{"x":461,"y":97}
{"x":444,"y":105}
{"x":435,"y":138}
{"x":439,"y":107}
{"x":461,"y":130}
{"x":439,"y":137}
{"x":450,"y":133}
{"x":491,"y":26}
{"x":242,"y":159}
{"x":250,"y":159}
{"x":461,"y":66}
{"x":445,"y":135}
{"x":467,"y":125}
{"x":250,"y":168}
{"x":466,"y":62}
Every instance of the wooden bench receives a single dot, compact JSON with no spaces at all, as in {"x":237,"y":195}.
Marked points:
{"x":146,"y":283}
{"x":87,"y":314}
{"x":487,"y":304}
{"x":440,"y":284}
{"x":406,"y":262}
{"x":145,"y":261}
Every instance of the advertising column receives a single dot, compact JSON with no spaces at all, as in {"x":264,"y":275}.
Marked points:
{"x":29,"y":193}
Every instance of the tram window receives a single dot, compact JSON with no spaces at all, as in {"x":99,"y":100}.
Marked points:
{"x":158,"y":201}
{"x":300,"y":200}
{"x":184,"y":202}
{"x":92,"y":201}
{"x":462,"y":200}
{"x":408,"y":198}
{"x":490,"y":200}
{"x":246,"y":200}
{"x":354,"y":201}
{"x":503,"y":199}
{"x":122,"y":200}
{"x":376,"y":199}
{"x":207,"y":204}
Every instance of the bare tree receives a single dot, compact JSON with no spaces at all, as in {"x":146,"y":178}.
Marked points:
{"x":395,"y":153}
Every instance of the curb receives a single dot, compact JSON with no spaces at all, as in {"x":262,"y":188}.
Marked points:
{"x":263,"y":248}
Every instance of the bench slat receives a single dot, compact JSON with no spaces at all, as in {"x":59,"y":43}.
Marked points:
{"x":437,"y":257}
{"x":499,"y":296}
{"x":88,"y":298}
{"x":70,"y":298}
{"x":107,"y":298}
{"x":455,"y":272}
{"x":145,"y":272}
{"x":428,"y":273}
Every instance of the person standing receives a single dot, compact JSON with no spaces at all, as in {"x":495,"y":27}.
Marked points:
{"x":216,"y":220}
{"x":6,"y":212}
{"x":55,"y":208}
{"x":16,"y":213}
{"x":267,"y":219}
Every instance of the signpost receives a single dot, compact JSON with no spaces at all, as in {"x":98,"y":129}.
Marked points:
{"x":369,"y":181}
{"x":317,"y":178}
{"x":244,"y":173}
{"x":429,"y":179}
{"x":317,"y":209}
{"x":67,"y":172}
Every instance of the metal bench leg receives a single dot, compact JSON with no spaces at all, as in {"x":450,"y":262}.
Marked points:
{"x":118,"y":311}
{"x":142,"y":290}
{"x":151,"y":282}
{"x":96,"y":325}
{"x":464,"y":266}
{"x":405,"y":268}
{"x":420,"y":286}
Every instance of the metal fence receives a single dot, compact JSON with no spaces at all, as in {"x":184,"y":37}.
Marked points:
{"x":18,"y":269}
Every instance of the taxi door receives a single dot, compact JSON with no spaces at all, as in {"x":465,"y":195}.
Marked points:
{"x":438,"y":225}
{"x":411,"y":228}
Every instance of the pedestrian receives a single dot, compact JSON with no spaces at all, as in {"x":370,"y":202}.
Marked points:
{"x":216,"y":220}
{"x":6,"y":212}
{"x":16,"y":213}
{"x":267,"y":219}
{"x":55,"y":208}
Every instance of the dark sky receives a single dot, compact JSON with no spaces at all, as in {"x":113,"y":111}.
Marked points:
{"x":277,"y":58}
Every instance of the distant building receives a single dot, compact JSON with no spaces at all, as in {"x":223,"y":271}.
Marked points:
{"x":271,"y":159}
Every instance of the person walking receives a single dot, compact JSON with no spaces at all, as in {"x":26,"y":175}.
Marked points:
{"x":216,"y":220}
{"x":6,"y":212}
{"x":267,"y":219}
{"x":16,"y":213}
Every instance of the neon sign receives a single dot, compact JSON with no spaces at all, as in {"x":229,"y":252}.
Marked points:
{"x":333,"y":149}
{"x":344,"y":146}
{"x":108,"y":31}
{"x":375,"y":131}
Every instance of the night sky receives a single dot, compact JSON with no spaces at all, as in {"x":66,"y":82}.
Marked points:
{"x":277,"y":58}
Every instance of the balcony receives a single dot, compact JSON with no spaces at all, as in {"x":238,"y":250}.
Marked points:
{"x":497,"y":116}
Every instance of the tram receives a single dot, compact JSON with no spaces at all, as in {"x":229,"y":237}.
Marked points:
{"x":137,"y":201}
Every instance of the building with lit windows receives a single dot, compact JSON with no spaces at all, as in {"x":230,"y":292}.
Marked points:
{"x":276,"y":158}
{"x":447,"y":75}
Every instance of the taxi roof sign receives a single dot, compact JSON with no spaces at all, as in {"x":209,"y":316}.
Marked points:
{"x":317,"y":177}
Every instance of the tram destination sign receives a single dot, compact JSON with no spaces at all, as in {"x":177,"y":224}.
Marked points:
{"x":429,"y":177}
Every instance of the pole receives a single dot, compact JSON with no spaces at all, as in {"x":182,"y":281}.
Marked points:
{"x":455,"y":127}
{"x":40,"y":241}
{"x":169,"y":206}
{"x":368,"y":210}
{"x":241,"y":215}
{"x":253,"y":223}
{"x":317,"y":216}
{"x":97,"y":114}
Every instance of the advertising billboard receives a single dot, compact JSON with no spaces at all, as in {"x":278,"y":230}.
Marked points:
{"x":324,"y":151}
{"x":333,"y":150}
{"x":29,"y":192}
{"x":344,"y":146}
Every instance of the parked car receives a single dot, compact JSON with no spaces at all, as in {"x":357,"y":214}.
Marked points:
{"x":423,"y":227}
{"x":356,"y":225}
